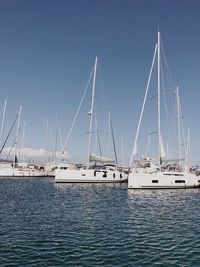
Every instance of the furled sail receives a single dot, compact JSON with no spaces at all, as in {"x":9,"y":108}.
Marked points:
{"x":95,"y":158}
{"x":162,"y":150}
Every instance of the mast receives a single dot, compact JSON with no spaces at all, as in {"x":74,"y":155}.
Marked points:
{"x":3,"y":121}
{"x":109,"y":135}
{"x":60,"y":136}
{"x":21,"y":152}
{"x":187,"y":160}
{"x":56,"y":143}
{"x":113,"y":140}
{"x":17,"y":134}
{"x":75,"y":118}
{"x":122,"y":151}
{"x":46,"y":140}
{"x":91,"y":110}
{"x":159,"y":125}
{"x":134,"y":151}
{"x":179,"y":123}
{"x":98,"y":143}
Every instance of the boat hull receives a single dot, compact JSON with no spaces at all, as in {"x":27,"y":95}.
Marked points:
{"x":15,"y":172}
{"x":162,"y":181}
{"x":89,"y":176}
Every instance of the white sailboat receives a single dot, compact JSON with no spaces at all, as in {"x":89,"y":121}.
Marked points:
{"x":149,"y":174}
{"x":99,"y":169}
{"x":13,"y":168}
{"x":7,"y":169}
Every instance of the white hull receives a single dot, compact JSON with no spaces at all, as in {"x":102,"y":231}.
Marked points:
{"x":89,"y":176}
{"x":15,"y":172}
{"x":162,"y":180}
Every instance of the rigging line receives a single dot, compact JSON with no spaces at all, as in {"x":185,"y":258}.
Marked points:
{"x":188,"y":148}
{"x":115,"y":152}
{"x":122,"y":151}
{"x":97,"y":138}
{"x":165,"y":92}
{"x":22,"y":143}
{"x":10,"y":150}
{"x":91,"y":112}
{"x":165,"y":103}
{"x":9,"y":133}
{"x":60,"y":135}
{"x":153,"y":97}
{"x":51,"y":137}
{"x":167,"y":66}
{"x":103,"y":90}
{"x":79,"y":107}
{"x":182,"y":129}
{"x":149,"y":130}
{"x":101,"y":105}
{"x":179,"y":123}
{"x":143,"y":105}
{"x":148,"y":145}
{"x":56,"y":141}
{"x":99,"y":144}
{"x":46,"y":138}
{"x":152,"y":133}
{"x":51,"y":152}
{"x":168,"y":112}
{"x":21,"y":140}
{"x":1,"y":113}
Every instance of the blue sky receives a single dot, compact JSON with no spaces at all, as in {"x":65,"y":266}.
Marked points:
{"x":48,"y":48}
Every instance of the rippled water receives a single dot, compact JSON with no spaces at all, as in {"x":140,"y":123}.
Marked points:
{"x":48,"y":224}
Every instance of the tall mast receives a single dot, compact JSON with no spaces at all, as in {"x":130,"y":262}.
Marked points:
{"x":92,"y":107}
{"x":187,"y":160}
{"x":159,"y":127}
{"x":179,"y":122}
{"x":21,"y":153}
{"x":134,"y":151}
{"x":122,"y":151}
{"x":46,"y":140}
{"x":17,"y":134}
{"x":114,"y":147}
{"x":98,"y":143}
{"x":56,"y":143}
{"x":3,"y":121}
{"x":109,"y":134}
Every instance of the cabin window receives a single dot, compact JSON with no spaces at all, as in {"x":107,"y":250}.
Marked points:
{"x":83,"y":174}
{"x":198,"y":181}
{"x":113,"y":175}
{"x":94,"y":173}
{"x":154,"y":181}
{"x":179,"y":181}
{"x":121,"y":175}
{"x":104,"y":174}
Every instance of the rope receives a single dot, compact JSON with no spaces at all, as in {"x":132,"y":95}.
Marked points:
{"x":79,"y":107}
{"x":9,"y":134}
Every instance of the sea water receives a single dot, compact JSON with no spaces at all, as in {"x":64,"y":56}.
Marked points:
{"x":47,"y":224}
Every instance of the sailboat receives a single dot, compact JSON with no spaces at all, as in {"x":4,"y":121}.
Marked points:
{"x":161,"y":173}
{"x":13,"y":168}
{"x":99,"y":169}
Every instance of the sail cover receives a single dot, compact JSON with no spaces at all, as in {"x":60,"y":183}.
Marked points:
{"x":95,"y":158}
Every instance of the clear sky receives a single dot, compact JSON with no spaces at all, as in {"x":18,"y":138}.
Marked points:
{"x":48,"y":48}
